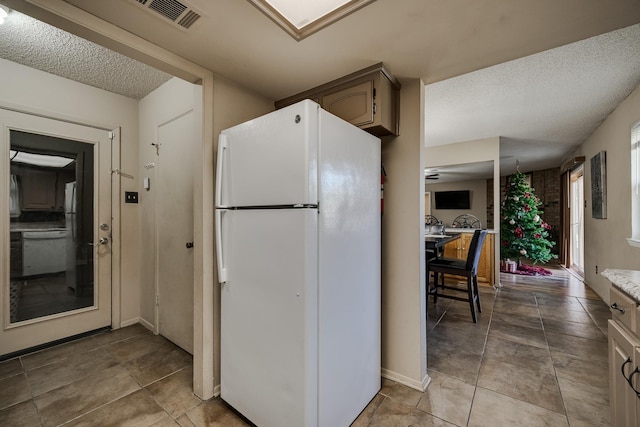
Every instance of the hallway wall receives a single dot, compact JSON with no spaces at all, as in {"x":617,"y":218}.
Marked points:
{"x":605,"y":239}
{"x":29,"y":90}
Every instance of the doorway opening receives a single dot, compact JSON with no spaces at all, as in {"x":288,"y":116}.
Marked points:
{"x":576,"y":235}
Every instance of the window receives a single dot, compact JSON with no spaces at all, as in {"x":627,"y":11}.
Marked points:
{"x":635,"y":185}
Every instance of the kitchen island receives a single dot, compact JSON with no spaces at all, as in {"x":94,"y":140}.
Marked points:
{"x":459,"y":249}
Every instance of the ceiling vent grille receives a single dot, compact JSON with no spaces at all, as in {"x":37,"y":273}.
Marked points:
{"x":188,"y":19}
{"x":175,"y":11}
{"x":170,"y":9}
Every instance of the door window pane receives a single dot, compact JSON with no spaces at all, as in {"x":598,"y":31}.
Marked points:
{"x":51,"y":229}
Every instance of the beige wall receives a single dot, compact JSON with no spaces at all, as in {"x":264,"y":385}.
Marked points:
{"x":34,"y":91}
{"x":478,"y":189}
{"x":168,"y":101}
{"x":605,"y":239}
{"x":403,"y":268}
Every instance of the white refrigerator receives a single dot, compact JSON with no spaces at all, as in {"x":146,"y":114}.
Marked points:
{"x":72,"y":231}
{"x":298,"y":253}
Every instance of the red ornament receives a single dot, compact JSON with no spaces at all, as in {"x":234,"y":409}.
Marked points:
{"x":518,"y":232}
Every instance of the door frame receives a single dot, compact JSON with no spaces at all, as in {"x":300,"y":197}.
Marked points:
{"x":575,"y":174}
{"x":565,"y":209}
{"x":76,"y":21}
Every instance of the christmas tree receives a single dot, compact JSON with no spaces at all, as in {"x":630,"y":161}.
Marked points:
{"x":523,"y":233}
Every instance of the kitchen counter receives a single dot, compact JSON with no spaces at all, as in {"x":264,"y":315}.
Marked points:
{"x":36,"y":226}
{"x":466,"y":230}
{"x":626,"y":280}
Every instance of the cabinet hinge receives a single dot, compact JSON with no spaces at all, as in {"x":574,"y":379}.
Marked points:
{"x":157,"y":299}
{"x":374,"y":108}
{"x":374,"y":93}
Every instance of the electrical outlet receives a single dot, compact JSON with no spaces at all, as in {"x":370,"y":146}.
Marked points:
{"x":131,"y":197}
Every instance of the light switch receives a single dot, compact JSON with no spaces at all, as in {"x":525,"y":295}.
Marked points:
{"x":131,"y":197}
{"x":146,"y":183}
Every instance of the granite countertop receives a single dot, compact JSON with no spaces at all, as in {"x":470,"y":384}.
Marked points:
{"x":627,"y":280}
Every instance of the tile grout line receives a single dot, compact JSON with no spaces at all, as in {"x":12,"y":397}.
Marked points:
{"x":555,"y":373}
{"x":484,"y":349}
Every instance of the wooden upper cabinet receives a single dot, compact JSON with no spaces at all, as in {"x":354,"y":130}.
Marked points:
{"x":38,"y":190}
{"x":368,"y":98}
{"x":353,"y":104}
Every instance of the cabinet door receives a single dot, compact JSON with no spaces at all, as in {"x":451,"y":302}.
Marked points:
{"x":465,"y":241}
{"x":459,"y":248}
{"x":622,"y":397}
{"x":485,"y":266}
{"x":16,"y":254}
{"x":452,"y":249}
{"x":38,"y":190}
{"x":353,"y":104}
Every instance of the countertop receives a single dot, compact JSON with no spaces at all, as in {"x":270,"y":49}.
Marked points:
{"x":36,"y":226}
{"x":466,"y":230}
{"x":627,"y":280}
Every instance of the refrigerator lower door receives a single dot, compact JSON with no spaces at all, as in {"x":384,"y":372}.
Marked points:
{"x":269,"y":330}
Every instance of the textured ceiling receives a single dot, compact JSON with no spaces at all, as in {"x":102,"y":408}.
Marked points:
{"x":542,"y":106}
{"x":506,"y":77}
{"x":38,"y":45}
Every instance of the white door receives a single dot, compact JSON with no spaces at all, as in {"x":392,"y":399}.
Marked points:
{"x":175,"y":229}
{"x":56,"y":253}
{"x":269,"y":314}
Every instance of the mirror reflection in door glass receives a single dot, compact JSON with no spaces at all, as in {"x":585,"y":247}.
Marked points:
{"x":51,"y":226}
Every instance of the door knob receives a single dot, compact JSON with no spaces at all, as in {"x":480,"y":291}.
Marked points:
{"x":101,"y":241}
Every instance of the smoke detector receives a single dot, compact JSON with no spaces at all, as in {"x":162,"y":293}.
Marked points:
{"x":177,"y":12}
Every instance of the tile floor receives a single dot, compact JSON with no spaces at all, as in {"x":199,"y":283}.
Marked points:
{"x":537,"y":356}
{"x":44,"y":295}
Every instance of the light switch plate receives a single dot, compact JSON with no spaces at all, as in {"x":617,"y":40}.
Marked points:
{"x":131,"y":197}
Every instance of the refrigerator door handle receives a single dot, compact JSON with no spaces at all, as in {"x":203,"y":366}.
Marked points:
{"x":222,"y":146}
{"x":222,"y":270}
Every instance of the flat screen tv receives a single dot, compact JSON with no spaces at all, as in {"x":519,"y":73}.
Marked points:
{"x":453,"y":199}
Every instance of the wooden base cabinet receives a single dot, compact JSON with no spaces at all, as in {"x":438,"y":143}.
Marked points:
{"x":624,"y":357}
{"x":624,"y":360}
{"x":459,"y":249}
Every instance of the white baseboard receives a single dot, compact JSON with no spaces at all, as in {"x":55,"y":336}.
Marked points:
{"x":421,"y":386}
{"x":130,"y":322}
{"x":147,"y":325}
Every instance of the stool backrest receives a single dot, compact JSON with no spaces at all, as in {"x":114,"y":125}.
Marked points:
{"x":475,"y":248}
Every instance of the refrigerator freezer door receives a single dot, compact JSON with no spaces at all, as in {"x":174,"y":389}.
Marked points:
{"x":269,"y":331}
{"x":271,"y":160}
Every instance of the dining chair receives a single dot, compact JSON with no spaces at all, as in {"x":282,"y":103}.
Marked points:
{"x":464,"y":268}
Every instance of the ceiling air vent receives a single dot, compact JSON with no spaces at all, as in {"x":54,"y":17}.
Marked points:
{"x":175,"y":11}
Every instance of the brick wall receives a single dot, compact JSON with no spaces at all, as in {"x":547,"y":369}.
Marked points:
{"x":546,"y":185}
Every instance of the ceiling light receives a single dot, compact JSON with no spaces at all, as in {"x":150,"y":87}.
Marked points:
{"x":4,"y":12}
{"x":39,"y":159}
{"x":301,"y":18}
